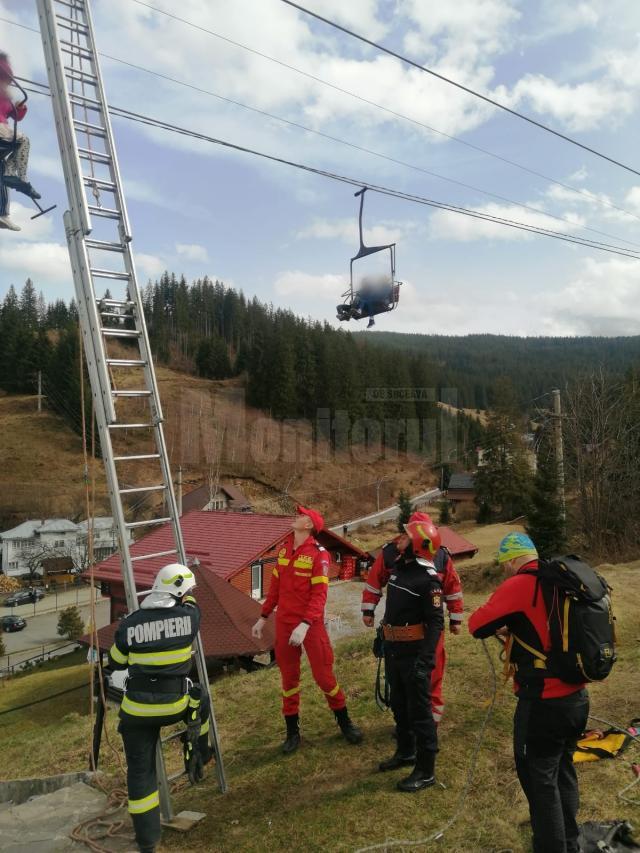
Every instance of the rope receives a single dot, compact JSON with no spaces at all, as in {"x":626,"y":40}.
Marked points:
{"x":438,"y":835}
{"x":621,"y":795}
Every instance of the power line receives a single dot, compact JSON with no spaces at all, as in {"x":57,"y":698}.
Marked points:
{"x":460,"y":86}
{"x":585,"y":193}
{"x":357,"y":182}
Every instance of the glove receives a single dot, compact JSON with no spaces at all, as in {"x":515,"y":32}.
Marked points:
{"x":298,"y":634}
{"x":256,"y":631}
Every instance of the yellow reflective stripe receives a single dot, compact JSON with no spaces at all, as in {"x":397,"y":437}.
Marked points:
{"x":139,"y":709}
{"x":291,"y":692}
{"x":303,"y":563}
{"x":283,"y":561}
{"x":117,"y":655}
{"x":194,"y":703}
{"x":145,"y":804}
{"x":189,"y":599}
{"x":161,"y":658}
{"x":320,"y":579}
{"x":335,"y":691}
{"x":276,"y":573}
{"x":303,"y":574}
{"x":205,"y":727}
{"x":169,"y":581}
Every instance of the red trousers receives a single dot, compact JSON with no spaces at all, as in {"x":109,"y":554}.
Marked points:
{"x":437,"y":699}
{"x":317,"y":645}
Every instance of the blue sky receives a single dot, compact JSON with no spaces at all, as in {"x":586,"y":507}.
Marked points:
{"x":286,"y":236}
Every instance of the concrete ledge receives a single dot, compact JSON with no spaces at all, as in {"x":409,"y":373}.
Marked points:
{"x":20,"y":790}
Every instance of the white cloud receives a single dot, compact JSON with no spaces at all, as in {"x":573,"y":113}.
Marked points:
{"x":580,"y":107}
{"x":192,"y":252}
{"x":46,"y":263}
{"x":297,"y":283}
{"x":149,"y":266}
{"x":446,"y":225}
{"x":603,"y":299}
{"x":33,"y":230}
{"x":347,"y":231}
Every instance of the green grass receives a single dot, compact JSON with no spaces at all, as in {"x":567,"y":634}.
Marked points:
{"x":328,"y":796}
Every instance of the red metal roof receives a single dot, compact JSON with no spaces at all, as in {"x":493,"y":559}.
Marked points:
{"x":223,"y":542}
{"x":227,"y":617}
{"x":457,"y":545}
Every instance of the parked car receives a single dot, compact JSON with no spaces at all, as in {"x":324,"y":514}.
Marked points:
{"x":12,"y":623}
{"x":24,"y":596}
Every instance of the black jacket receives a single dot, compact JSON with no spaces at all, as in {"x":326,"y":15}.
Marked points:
{"x":414,"y":596}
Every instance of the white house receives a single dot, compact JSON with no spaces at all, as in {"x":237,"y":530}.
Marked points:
{"x":25,"y":545}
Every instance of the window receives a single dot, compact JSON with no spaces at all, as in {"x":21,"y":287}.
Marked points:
{"x":256,"y":581}
{"x":59,"y":543}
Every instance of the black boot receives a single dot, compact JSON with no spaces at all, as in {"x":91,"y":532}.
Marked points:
{"x":404,"y":756}
{"x":350,"y":731}
{"x":292,"y":741}
{"x":423,"y":775}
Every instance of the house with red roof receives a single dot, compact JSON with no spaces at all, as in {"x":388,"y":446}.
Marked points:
{"x":238,"y":548}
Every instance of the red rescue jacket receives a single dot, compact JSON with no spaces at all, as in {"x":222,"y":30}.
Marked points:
{"x":515,"y":605}
{"x":300,"y":582}
{"x":382,"y":567}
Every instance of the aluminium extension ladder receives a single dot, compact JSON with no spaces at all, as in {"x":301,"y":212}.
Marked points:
{"x":125,"y":391}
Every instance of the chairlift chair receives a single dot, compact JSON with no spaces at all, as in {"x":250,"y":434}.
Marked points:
{"x":360,"y":303}
{"x":8,"y":148}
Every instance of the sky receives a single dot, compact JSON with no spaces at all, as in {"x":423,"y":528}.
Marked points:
{"x":286,"y":236}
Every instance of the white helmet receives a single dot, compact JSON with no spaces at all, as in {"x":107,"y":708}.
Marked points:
{"x":172,"y":582}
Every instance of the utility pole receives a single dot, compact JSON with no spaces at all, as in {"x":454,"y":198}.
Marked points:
{"x":39,"y":392}
{"x":557,"y":437}
{"x":179,"y":495}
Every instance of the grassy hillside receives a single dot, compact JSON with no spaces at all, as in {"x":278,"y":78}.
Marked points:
{"x":328,"y":796}
{"x":210,"y":432}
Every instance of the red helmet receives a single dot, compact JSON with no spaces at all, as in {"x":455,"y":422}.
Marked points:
{"x":425,"y":538}
{"x":420,"y":516}
{"x":316,"y":519}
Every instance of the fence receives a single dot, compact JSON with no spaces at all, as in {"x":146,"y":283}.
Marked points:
{"x":56,"y":598}
{"x":28,"y":657}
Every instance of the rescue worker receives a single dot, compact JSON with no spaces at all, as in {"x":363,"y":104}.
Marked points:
{"x":413,"y":625}
{"x":551,"y":714}
{"x":299,"y":592}
{"x":377,"y":579}
{"x":155,"y":644}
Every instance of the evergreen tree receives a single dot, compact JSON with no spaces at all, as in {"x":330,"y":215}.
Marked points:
{"x":70,"y":624}
{"x":29,"y":305}
{"x":404,"y":504}
{"x":545,"y":523}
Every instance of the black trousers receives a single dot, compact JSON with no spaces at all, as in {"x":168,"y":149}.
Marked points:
{"x":545,"y":732}
{"x":411,"y":705}
{"x":140,"y":737}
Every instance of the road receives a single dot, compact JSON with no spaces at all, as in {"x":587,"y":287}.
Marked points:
{"x":390,"y":512}
{"x":40,"y":632}
{"x":52,"y":601}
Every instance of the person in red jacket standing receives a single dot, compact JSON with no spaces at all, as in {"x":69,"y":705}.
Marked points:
{"x":451,"y":589}
{"x":299,"y":592}
{"x":551,"y":714}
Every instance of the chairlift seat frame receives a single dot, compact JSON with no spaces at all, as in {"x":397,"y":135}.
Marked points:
{"x":8,"y":147}
{"x":348,"y":310}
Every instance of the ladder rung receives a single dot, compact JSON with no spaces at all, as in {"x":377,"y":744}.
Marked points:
{"x":136,"y":458}
{"x":140,"y":489}
{"x":73,"y":26}
{"x":177,"y":775}
{"x":102,"y":185}
{"x":105,"y":246}
{"x":89,"y":128}
{"x":153,"y":556}
{"x":81,"y":76}
{"x":130,"y":426}
{"x":106,"y":212}
{"x":73,"y":6}
{"x":76,"y":50}
{"x":116,"y":315}
{"x":126,"y":362}
{"x":172,"y":736}
{"x":133,"y":394}
{"x":130,"y":525}
{"x":98,"y":156}
{"x":118,"y":276}
{"x":116,"y":303}
{"x":120,"y":333}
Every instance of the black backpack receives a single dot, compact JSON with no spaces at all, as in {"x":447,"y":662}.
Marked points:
{"x":581,"y":620}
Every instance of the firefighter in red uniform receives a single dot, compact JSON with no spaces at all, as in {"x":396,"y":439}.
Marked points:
{"x":452,"y":593}
{"x":299,"y":592}
{"x":551,"y":714}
